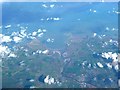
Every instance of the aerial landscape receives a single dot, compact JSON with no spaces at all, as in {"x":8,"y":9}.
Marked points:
{"x":59,"y":45}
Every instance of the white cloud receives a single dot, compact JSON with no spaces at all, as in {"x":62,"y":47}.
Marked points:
{"x":116,"y":67}
{"x":94,"y":11}
{"x":94,"y":34}
{"x":52,"y":5}
{"x":32,"y":87}
{"x":0,"y":27}
{"x":17,"y":39}
{"x":94,"y":65}
{"x":113,"y":29}
{"x":84,"y":62}
{"x":104,"y":35}
{"x":49,"y":80}
{"x":102,"y":1}
{"x":100,"y":65}
{"x":44,"y":30}
{"x":6,"y":39}
{"x":18,"y":25}
{"x":34,"y":33}
{"x":31,"y":80}
{"x":44,"y":5}
{"x":47,"y":19}
{"x":56,"y":19}
{"x":34,"y":53}
{"x":58,"y":52}
{"x":109,"y":65}
{"x":41,"y":19}
{"x":23,"y":33}
{"x":1,"y":35}
{"x":45,"y":51}
{"x":40,"y":35}
{"x":89,"y":66}
{"x":22,"y":63}
{"x":7,"y":26}
{"x":110,"y":55}
{"x":50,"y":40}
{"x":4,"y":50}
{"x":107,"y":28}
{"x":114,"y":57}
{"x":15,"y":34}
{"x":12,"y":55}
{"x":78,"y":19}
{"x":46,"y":80}
{"x":32,"y":37}
{"x":110,"y":40}
{"x":105,"y":55}
{"x":54,"y":0}
{"x":39,"y":31}
{"x":39,"y":51}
